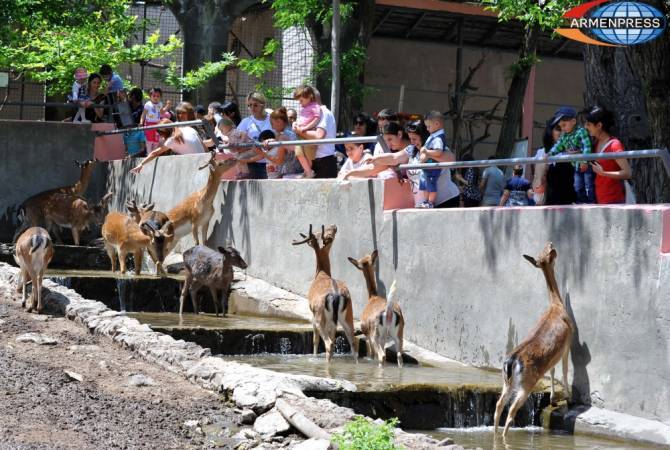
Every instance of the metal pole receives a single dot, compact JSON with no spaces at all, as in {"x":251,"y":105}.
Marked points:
{"x":189,"y":123}
{"x":335,"y":55}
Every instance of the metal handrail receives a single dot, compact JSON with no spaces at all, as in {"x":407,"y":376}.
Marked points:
{"x":631,"y":154}
{"x":56,"y":105}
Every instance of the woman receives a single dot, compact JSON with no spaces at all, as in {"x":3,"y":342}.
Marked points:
{"x":610,"y":173}
{"x":95,"y":97}
{"x":231,"y":111}
{"x":396,"y":140}
{"x":560,"y":176}
{"x":364,"y":125}
{"x":469,"y":178}
{"x":180,"y":140}
{"x":185,"y":112}
{"x":257,"y":122}
{"x":135,"y":101}
{"x":281,"y":160}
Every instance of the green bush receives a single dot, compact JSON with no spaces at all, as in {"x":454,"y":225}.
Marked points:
{"x":359,"y":434}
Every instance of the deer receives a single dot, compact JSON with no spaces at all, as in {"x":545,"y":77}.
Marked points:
{"x":122,"y":235}
{"x":382,"y":319}
{"x":207,"y":267}
{"x":546,"y":344}
{"x":32,"y":253}
{"x":195,"y":211}
{"x":74,"y":212}
{"x":157,"y":226}
{"x":31,"y":211}
{"x":329,"y":299}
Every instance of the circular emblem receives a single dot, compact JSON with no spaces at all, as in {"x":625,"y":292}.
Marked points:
{"x":628,"y":23}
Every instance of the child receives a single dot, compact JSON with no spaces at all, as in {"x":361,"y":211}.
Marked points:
{"x":230,"y":135}
{"x":80,"y":94}
{"x":135,"y":143}
{"x":435,"y":145}
{"x":152,"y":114}
{"x":575,"y":139}
{"x":356,"y":157}
{"x":308,"y":119}
{"x":518,"y":190}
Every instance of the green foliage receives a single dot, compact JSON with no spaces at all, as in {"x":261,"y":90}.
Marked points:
{"x":359,"y":434}
{"x":263,"y":64}
{"x":351,"y":69}
{"x":547,"y":17}
{"x":195,"y":78}
{"x":295,"y":13}
{"x":523,"y":64}
{"x":46,"y":40}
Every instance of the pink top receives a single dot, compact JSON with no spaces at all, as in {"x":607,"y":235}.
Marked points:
{"x":308,"y":113}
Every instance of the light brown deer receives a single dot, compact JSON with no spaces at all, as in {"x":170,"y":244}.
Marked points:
{"x":157,"y":226}
{"x":382,"y":320}
{"x":329,"y":299}
{"x":122,"y":235}
{"x":195,"y":211}
{"x":547,"y":344}
{"x":74,"y":212}
{"x":32,"y":253}
{"x":31,"y":210}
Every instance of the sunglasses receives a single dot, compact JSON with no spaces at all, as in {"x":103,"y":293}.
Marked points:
{"x":359,"y":122}
{"x":252,"y":105}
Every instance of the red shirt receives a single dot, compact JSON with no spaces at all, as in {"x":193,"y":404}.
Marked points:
{"x":609,"y":190}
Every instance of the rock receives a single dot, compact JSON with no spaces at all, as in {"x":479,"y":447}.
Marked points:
{"x":103,"y":365}
{"x":271,"y":423}
{"x":248,"y":416}
{"x":37,"y":338}
{"x":313,"y":444}
{"x":446,"y":441}
{"x":84,"y":348}
{"x":73,"y":375}
{"x":2,"y":321}
{"x":40,"y":317}
{"x":190,"y":424}
{"x":453,"y":447}
{"x":245,"y":434}
{"x":138,"y":380}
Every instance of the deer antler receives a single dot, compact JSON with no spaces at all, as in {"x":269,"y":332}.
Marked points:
{"x":305,"y":239}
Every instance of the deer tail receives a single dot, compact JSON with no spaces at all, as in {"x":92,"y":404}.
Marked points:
{"x":511,"y":366}
{"x":37,"y":241}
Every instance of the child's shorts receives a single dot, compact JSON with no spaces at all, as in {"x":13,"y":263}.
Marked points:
{"x":428,"y":180}
{"x":309,"y":151}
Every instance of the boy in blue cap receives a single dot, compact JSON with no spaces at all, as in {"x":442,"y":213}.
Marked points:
{"x":575,"y":139}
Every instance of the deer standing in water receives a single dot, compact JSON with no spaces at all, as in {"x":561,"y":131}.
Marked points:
{"x":122,"y":235}
{"x":329,"y":299}
{"x":157,"y":226}
{"x":195,"y":211}
{"x":546,"y":345}
{"x":382,"y":319}
{"x":32,"y":253}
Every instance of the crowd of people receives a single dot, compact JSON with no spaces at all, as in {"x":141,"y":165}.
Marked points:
{"x":410,"y":141}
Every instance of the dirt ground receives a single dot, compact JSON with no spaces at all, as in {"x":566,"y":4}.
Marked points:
{"x":42,"y":407}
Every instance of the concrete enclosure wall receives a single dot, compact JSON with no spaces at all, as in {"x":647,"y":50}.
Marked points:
{"x":465,"y":289}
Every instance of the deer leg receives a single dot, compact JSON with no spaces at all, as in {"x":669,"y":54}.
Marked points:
{"x":37,"y":286}
{"x":315,"y":338}
{"x":75,"y":235}
{"x":500,"y":405}
{"x":194,"y":297}
{"x":111,"y":252}
{"x":566,"y":386}
{"x":194,"y":230}
{"x":31,"y":301}
{"x":349,"y":333}
{"x":122,"y":259}
{"x":225,"y":296}
{"x":24,"y":283}
{"x":328,"y":343}
{"x":381,"y":352}
{"x":204,"y":232}
{"x":397,"y":340}
{"x":138,"y":255}
{"x":551,"y":374}
{"x":184,"y":290}
{"x":215,"y":299}
{"x":520,"y":398}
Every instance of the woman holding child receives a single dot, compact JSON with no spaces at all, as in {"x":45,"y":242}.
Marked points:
{"x":282,"y":162}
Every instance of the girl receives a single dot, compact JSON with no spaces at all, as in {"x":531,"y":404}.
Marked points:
{"x":153,"y":111}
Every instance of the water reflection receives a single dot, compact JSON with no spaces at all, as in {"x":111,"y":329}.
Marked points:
{"x":211,"y":321}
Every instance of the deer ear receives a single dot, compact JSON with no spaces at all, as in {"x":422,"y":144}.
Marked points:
{"x":77,"y":163}
{"x":354,"y":262}
{"x":531,"y":260}
{"x":223,"y":250}
{"x":374,"y":255}
{"x":147,"y":229}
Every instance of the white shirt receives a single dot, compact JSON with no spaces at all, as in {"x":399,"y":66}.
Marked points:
{"x":327,"y":123}
{"x":350,"y":165}
{"x":191,"y":144}
{"x":253,"y":127}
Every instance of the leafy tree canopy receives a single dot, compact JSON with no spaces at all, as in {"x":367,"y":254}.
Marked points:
{"x":548,"y":16}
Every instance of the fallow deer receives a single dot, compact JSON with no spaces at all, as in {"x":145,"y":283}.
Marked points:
{"x":207,"y":267}
{"x":329,"y":299}
{"x":157,"y":226}
{"x":195,"y":211}
{"x":32,"y":253}
{"x":31,"y":210}
{"x":382,"y":320}
{"x":547,"y":344}
{"x":122,"y":235}
{"x":74,"y":212}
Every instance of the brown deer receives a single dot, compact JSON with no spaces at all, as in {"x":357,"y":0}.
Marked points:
{"x":548,"y":343}
{"x":122,"y":235}
{"x":74,"y":212}
{"x":32,"y":253}
{"x":329,"y":299}
{"x":382,"y":320}
{"x":195,"y":211}
{"x":207,"y":267}
{"x":157,"y":226}
{"x":31,"y":210}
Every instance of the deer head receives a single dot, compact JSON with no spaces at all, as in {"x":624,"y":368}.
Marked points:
{"x":99,"y":209}
{"x":545,"y":259}
{"x":309,"y":239}
{"x":137,"y":211}
{"x":218,"y":166}
{"x":159,"y":239}
{"x":84,"y":164}
{"x":366,"y":262}
{"x":232,"y":256}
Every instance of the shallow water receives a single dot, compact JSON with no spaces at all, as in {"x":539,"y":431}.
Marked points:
{"x":129,"y":275}
{"x":211,"y":321}
{"x":530,"y":438}
{"x":367,"y":376}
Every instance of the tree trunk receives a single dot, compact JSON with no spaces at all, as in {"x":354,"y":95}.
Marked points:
{"x":205,"y":27}
{"x":651,"y":64}
{"x":517,"y":92}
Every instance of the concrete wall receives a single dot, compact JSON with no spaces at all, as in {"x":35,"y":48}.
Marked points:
{"x":466,"y":291}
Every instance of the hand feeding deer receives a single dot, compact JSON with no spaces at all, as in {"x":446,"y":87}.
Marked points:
{"x":547,"y":344}
{"x":158,"y":227}
{"x":32,"y":253}
{"x":207,"y":267}
{"x":195,"y":211}
{"x":329,"y":299}
{"x":382,"y":319}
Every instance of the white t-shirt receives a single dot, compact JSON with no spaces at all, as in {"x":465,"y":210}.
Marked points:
{"x":327,"y":123}
{"x":152,"y":112}
{"x":350,"y":165}
{"x":191,"y":144}
{"x":253,"y":127}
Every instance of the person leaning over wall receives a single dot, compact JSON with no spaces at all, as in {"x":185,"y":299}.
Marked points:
{"x":396,"y":140}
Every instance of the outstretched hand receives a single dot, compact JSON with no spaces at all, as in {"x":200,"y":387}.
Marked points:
{"x":137,"y":169}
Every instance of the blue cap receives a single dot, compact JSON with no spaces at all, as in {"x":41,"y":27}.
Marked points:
{"x":564,"y":112}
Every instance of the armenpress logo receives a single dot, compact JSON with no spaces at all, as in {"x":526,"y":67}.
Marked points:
{"x":613,"y":24}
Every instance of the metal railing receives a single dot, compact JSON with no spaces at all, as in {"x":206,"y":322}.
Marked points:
{"x":56,"y":105}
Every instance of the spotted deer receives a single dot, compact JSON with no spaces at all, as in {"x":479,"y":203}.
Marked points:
{"x":546,"y":345}
{"x":157,"y":226}
{"x":32,"y":253}
{"x":329,"y":299}
{"x":122,"y":235}
{"x":31,"y":211}
{"x":74,"y":212}
{"x":207,"y":267}
{"x":195,"y":211}
{"x":382,"y":319}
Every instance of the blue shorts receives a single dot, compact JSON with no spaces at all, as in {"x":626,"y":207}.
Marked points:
{"x":428,"y":180}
